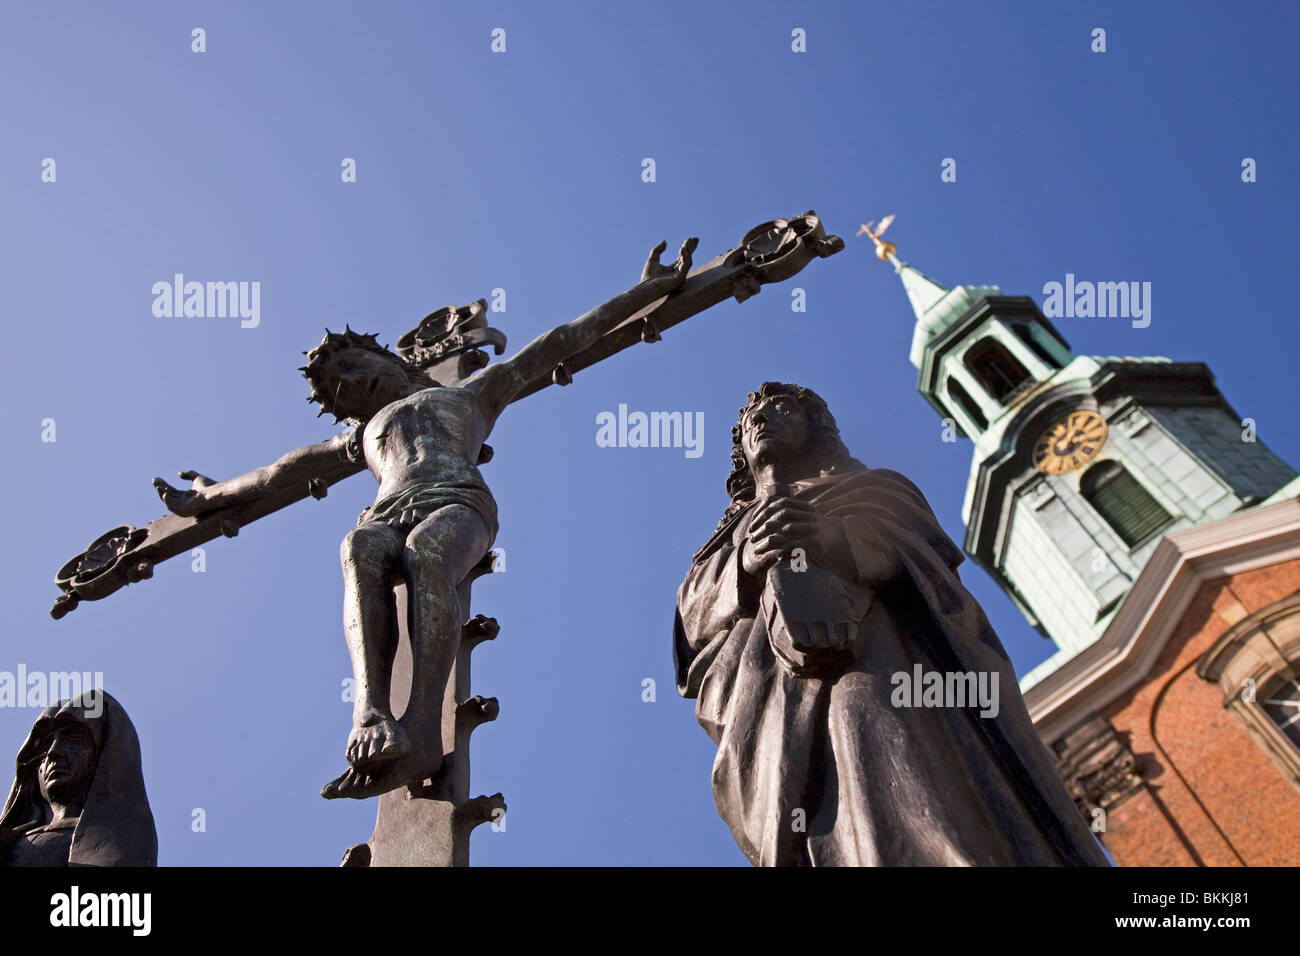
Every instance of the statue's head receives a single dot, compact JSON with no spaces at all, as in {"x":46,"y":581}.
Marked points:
{"x":82,"y":761}
{"x":352,"y":376}
{"x":781,"y":422}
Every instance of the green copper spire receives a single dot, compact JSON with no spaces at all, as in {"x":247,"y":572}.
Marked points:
{"x":936,"y":306}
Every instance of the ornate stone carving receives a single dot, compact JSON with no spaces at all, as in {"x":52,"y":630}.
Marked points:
{"x":1097,"y":765}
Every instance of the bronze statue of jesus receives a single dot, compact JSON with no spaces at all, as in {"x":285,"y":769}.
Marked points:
{"x":433,"y":518}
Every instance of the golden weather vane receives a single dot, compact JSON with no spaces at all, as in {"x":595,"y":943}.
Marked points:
{"x":884,"y":249}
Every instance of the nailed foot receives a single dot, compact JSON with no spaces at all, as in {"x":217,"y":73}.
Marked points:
{"x":376,"y":741}
{"x":358,"y":785}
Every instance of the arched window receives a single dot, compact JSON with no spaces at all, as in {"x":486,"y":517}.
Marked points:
{"x":1120,"y":498}
{"x":1283,"y":706}
{"x":996,"y":369}
{"x":1026,"y":335}
{"x":1255,"y":663}
{"x":962,"y":397}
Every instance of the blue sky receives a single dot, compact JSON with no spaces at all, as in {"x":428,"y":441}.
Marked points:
{"x":522,"y":171}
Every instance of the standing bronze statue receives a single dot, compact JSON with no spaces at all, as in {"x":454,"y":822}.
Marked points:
{"x":826,"y":594}
{"x":78,"y":797}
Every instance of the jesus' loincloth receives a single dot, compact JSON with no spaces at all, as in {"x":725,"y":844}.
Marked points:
{"x":405,"y":509}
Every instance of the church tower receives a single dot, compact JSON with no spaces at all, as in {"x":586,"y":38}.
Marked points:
{"x":1082,"y":465}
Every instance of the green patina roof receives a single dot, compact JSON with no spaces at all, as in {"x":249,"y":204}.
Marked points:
{"x":936,"y":306}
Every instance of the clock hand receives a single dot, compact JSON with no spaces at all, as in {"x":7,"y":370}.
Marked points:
{"x":1065,"y":441}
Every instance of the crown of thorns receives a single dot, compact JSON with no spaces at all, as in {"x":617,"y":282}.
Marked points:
{"x":320,"y":357}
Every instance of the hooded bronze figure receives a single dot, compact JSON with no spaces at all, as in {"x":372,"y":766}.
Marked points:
{"x":78,"y":797}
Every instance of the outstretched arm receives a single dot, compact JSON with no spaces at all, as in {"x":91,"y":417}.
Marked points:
{"x":497,"y":385}
{"x":299,"y":467}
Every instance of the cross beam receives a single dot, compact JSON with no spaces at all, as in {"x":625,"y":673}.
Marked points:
{"x":770,"y":252}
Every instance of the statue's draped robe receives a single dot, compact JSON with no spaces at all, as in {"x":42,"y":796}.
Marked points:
{"x":116,"y":826}
{"x":872,"y":784}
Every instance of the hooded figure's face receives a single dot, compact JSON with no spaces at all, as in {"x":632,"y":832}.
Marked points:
{"x":68,"y":765}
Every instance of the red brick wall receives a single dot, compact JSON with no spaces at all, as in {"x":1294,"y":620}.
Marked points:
{"x":1213,"y":796}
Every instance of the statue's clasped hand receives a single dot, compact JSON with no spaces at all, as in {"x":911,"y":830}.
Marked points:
{"x":785,"y":523}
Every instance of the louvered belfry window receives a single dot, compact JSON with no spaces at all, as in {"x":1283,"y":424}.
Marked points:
{"x":1025,"y":335}
{"x":1120,"y":498}
{"x":997,"y":369}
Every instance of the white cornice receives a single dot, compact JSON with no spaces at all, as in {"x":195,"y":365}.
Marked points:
{"x":1123,"y":655}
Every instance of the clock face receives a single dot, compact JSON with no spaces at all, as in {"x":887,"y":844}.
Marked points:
{"x":1070,"y":443}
